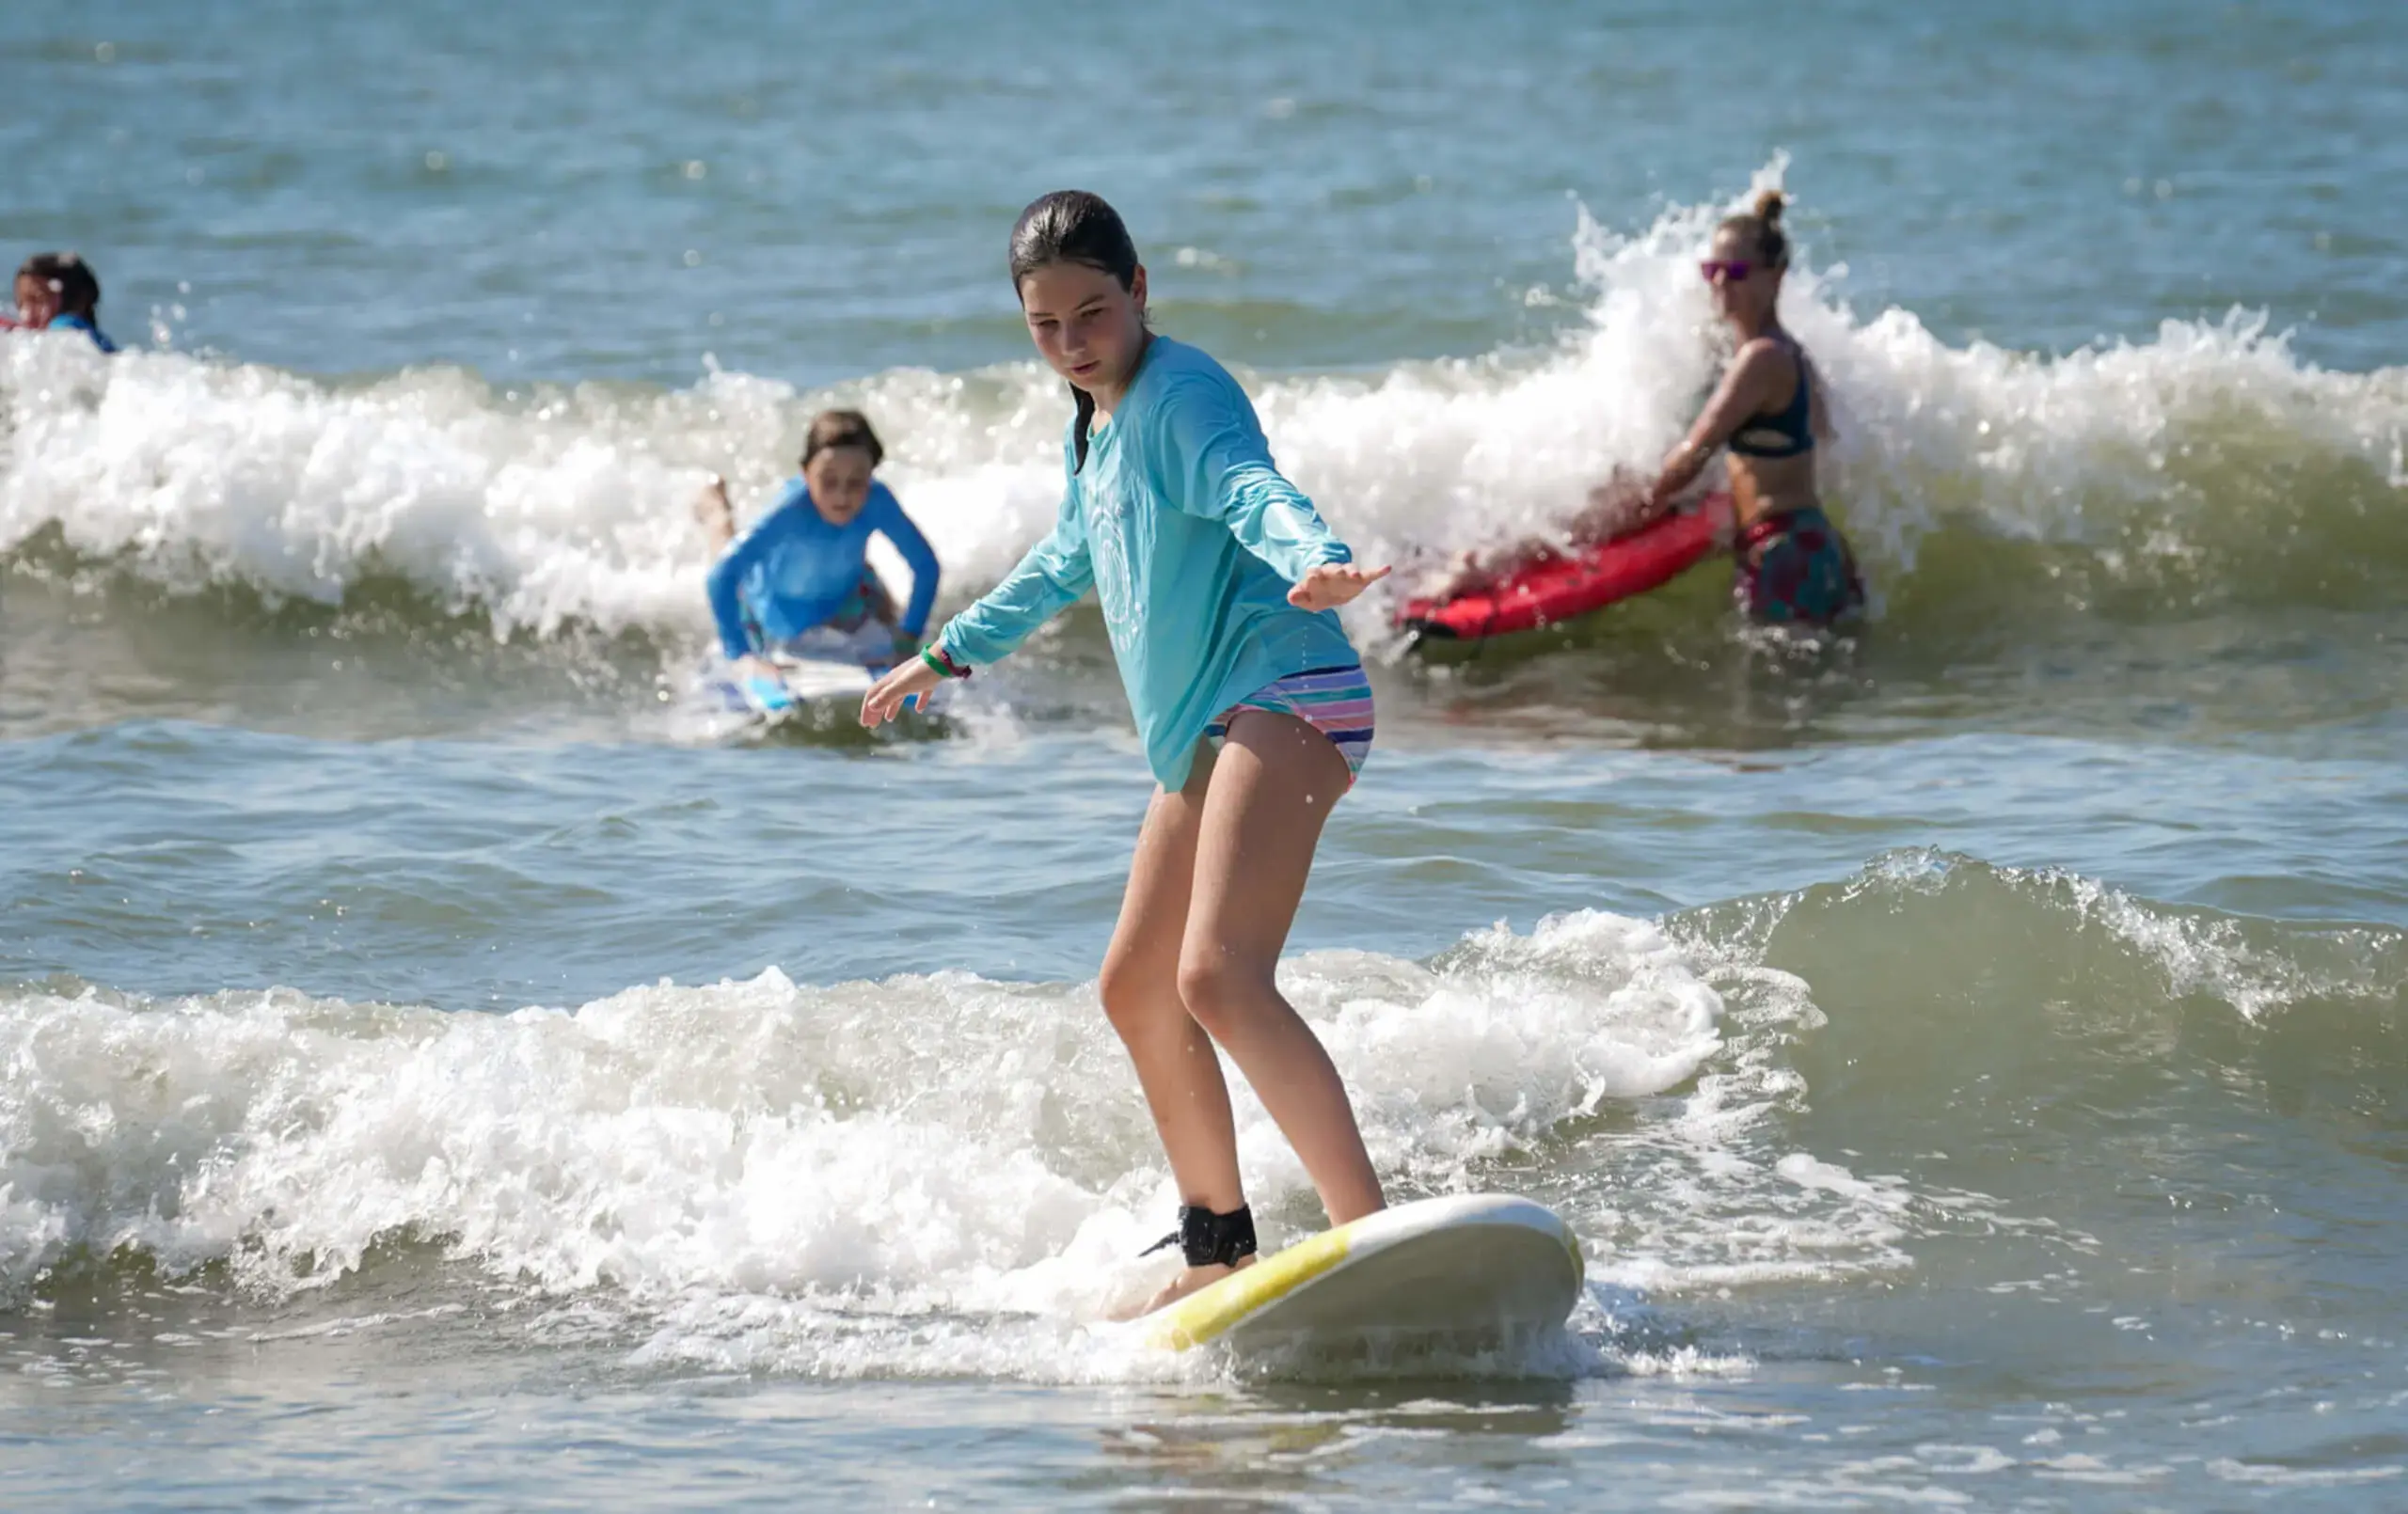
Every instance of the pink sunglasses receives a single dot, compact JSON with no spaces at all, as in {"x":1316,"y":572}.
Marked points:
{"x":1734,"y":270}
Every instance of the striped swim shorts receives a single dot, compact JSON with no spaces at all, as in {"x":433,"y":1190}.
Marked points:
{"x":1336,"y":701}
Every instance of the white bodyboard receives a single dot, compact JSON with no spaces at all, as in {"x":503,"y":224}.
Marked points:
{"x":824,"y":668}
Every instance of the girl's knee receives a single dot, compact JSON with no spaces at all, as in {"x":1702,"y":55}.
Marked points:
{"x":1133,"y":998}
{"x":1123,"y":995}
{"x":1218,"y":987}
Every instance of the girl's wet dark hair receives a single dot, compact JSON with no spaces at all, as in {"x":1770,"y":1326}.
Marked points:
{"x":1071,"y":225}
{"x":1762,"y":225}
{"x":832,"y":429}
{"x":78,"y":287}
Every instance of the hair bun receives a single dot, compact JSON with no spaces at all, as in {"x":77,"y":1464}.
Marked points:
{"x":1770,"y":205}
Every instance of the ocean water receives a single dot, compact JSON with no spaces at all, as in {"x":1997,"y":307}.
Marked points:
{"x":448,"y":1063}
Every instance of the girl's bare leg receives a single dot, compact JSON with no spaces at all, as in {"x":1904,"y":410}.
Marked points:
{"x":1219,"y":870}
{"x":1273,"y":787}
{"x":1176,"y":1065}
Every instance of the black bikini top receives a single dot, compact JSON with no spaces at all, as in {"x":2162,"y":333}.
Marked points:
{"x":1789,"y":432}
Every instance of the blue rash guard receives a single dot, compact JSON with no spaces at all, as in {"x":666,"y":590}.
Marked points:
{"x":1191,"y":538}
{"x":793,"y":569}
{"x":84,"y":325}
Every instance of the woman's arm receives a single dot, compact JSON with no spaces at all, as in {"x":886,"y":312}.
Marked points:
{"x":1745,"y":389}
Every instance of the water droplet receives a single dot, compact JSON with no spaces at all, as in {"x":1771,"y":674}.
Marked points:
{"x":697,"y":168}
{"x":2165,"y":189}
{"x":437,"y":162}
{"x":693,"y":258}
{"x":104,"y":52}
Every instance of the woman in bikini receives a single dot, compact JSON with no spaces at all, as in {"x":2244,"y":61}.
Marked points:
{"x":1767,"y":414}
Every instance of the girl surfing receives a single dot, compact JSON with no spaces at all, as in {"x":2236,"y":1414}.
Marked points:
{"x":1218,"y":580}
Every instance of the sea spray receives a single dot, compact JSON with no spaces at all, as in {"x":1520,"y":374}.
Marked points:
{"x":2208,"y":464}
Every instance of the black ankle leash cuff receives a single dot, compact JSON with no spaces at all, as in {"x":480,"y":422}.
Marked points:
{"x":1211,"y":1240}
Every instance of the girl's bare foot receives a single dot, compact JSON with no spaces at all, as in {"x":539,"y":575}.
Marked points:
{"x":714,"y":514}
{"x":1191,"y":1280}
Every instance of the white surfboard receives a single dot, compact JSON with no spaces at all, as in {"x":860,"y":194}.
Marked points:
{"x":1475,"y":1269}
{"x":821,"y":669}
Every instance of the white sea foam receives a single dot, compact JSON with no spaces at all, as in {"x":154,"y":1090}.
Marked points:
{"x":950,"y":1173}
{"x":546,"y":505}
{"x":871,"y":1176}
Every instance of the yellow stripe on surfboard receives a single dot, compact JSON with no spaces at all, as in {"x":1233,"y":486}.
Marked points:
{"x":1204,"y":1315}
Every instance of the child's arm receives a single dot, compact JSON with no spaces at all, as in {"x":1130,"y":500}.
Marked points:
{"x":727,"y":575}
{"x":918,"y":555}
{"x":1055,"y":572}
{"x":1218,"y":466}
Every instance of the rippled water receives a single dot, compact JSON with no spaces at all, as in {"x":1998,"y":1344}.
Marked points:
{"x":446,"y":1063}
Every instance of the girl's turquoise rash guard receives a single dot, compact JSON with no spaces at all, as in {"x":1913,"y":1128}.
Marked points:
{"x":1191,"y":539}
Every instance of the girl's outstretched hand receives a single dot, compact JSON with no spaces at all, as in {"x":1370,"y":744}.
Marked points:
{"x":893,"y":694}
{"x":1333,"y":584}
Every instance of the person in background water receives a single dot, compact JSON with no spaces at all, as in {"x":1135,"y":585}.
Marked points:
{"x":1218,"y":581}
{"x":1767,"y":413}
{"x":716,"y":514}
{"x":1793,"y":566}
{"x":58,"y":290}
{"x":804,"y":564}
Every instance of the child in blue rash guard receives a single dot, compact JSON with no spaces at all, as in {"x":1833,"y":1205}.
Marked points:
{"x":1218,"y":581}
{"x":804,"y":564}
{"x":58,"y":291}
{"x":715,"y":515}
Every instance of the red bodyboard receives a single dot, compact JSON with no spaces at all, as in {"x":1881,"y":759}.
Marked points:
{"x":1563,"y":585}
